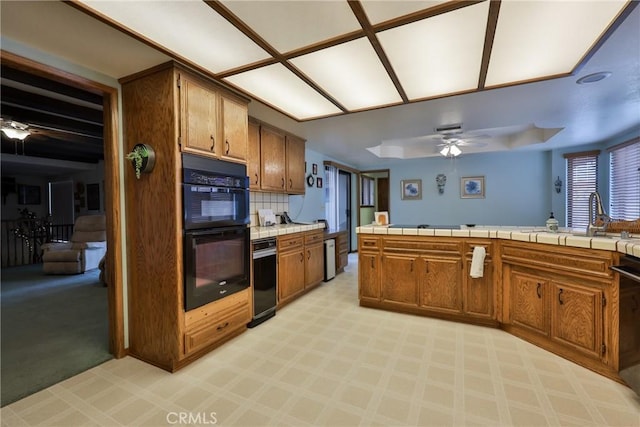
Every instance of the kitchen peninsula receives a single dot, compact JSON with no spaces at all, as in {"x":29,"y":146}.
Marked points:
{"x":555,"y":290}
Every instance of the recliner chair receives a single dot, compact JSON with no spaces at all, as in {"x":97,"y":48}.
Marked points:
{"x":83,"y":253}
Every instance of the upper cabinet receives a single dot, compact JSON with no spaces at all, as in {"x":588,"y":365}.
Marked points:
{"x":276,"y":159}
{"x":213,"y":122}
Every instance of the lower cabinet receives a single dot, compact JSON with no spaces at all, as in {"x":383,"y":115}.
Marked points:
{"x":528,"y":303}
{"x":215,"y":322}
{"x":441,"y":284}
{"x":369,"y":268}
{"x":300,"y":263}
{"x":399,"y":281}
{"x":629,"y":323}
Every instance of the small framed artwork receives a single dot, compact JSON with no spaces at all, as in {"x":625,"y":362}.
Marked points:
{"x":472,"y":187}
{"x":319,"y":182}
{"x":315,"y":169}
{"x":381,"y":218}
{"x":411,"y":189}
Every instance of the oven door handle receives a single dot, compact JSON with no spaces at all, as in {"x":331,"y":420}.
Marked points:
{"x":263,"y":253}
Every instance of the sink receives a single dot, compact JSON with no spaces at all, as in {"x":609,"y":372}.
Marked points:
{"x":600,"y":236}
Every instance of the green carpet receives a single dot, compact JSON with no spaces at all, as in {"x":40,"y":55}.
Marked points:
{"x":53,"y":327}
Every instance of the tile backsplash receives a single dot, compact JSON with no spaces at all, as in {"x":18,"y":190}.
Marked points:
{"x":276,"y":202}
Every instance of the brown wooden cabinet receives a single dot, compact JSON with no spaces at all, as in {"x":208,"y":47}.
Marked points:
{"x":234,"y":129}
{"x":342,"y":252}
{"x":479,"y":292}
{"x":314,"y":258}
{"x":399,"y":279}
{"x":441,"y":284}
{"x":300,"y":263}
{"x":576,"y":317}
{"x":254,"y":156}
{"x":199,"y":111}
{"x":272,"y":161}
{"x":528,"y":302}
{"x":295,"y":165}
{"x":276,"y":159}
{"x":172,"y":109}
{"x":369,"y":268}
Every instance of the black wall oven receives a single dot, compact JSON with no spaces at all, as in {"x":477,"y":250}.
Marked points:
{"x":216,"y":235}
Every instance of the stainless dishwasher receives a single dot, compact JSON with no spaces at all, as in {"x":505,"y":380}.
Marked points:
{"x":265,"y":278}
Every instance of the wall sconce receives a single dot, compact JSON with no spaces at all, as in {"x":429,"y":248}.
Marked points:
{"x":558,"y":185}
{"x":441,"y":180}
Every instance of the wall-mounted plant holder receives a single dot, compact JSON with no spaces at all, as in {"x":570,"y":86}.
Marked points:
{"x":143,"y":158}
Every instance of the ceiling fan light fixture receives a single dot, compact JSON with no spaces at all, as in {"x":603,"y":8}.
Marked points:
{"x":451,"y":151}
{"x":15,"y":130}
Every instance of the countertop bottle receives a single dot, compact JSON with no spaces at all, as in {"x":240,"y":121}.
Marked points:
{"x":552,"y":224}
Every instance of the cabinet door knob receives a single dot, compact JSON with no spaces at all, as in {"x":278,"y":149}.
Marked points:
{"x":224,"y":325}
{"x":290,"y":183}
{"x":282,"y":182}
{"x":227,"y":143}
{"x":308,"y":254}
{"x":560,"y":296}
{"x":301,"y":257}
{"x":256,"y":178}
{"x":538,"y":290}
{"x":213,"y":142}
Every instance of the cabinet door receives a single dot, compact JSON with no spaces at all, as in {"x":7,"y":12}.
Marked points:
{"x":441,"y":284}
{"x":295,"y":165}
{"x":576,"y":317}
{"x":272,"y":151}
{"x":234,"y":130}
{"x":290,"y":274}
{"x":253,"y":158}
{"x":369,"y":275}
{"x":200,"y":115}
{"x":528,"y":302}
{"x":398,"y":282}
{"x":342,"y":252}
{"x":478,"y":292}
{"x":314,"y":264}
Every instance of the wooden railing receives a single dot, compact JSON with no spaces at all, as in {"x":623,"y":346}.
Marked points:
{"x":21,"y":239}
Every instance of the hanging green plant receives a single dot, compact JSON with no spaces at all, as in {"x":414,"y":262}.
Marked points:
{"x":143,"y":158}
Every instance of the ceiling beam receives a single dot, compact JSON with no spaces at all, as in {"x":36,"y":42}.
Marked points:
{"x":489,"y":35}
{"x":361,"y":16}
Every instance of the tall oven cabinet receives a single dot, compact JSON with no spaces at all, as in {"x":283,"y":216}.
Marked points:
{"x":158,"y":111}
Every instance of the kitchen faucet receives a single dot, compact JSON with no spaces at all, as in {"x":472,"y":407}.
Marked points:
{"x":597,"y":223}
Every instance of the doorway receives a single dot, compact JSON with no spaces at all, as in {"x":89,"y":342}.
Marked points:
{"x":113,"y":265}
{"x":374,"y":195}
{"x":344,"y":203}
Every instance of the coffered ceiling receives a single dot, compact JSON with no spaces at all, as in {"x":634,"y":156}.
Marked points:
{"x":363,"y":80}
{"x":312,"y":59}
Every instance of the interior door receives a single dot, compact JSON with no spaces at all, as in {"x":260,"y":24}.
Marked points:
{"x":344,"y":203}
{"x":61,"y":202}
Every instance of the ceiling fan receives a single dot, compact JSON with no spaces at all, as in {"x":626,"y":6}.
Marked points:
{"x":453,"y":139}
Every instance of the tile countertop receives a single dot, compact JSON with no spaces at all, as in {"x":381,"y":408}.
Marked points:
{"x":280,"y":229}
{"x":564,"y":237}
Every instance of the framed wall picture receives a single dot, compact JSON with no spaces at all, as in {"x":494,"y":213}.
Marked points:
{"x":411,"y":189}
{"x":472,"y":187}
{"x":315,"y":169}
{"x":319,"y":182}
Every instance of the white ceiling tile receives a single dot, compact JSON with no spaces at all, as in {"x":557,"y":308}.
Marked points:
{"x":537,"y":39}
{"x":439,"y":55}
{"x":289,"y":25}
{"x":380,"y":11}
{"x":351,"y":73}
{"x":279,"y":87}
{"x":190,"y":29}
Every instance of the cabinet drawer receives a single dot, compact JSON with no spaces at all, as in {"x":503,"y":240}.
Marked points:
{"x":212,"y":312}
{"x":422,"y":245}
{"x":205,"y":335}
{"x":369,"y":242}
{"x":313,"y":237}
{"x":290,"y":242}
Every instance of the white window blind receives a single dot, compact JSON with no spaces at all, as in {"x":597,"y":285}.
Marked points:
{"x":624,"y":181}
{"x":582,"y":180}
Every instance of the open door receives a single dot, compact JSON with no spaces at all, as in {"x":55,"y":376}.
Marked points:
{"x":373,"y":195}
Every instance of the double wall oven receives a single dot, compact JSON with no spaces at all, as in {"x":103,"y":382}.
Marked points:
{"x":216,"y":233}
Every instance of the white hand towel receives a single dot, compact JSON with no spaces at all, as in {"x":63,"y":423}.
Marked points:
{"x":477,"y":262}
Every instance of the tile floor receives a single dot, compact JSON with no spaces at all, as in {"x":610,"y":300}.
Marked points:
{"x":324,"y":361}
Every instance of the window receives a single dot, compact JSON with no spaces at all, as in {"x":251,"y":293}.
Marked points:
{"x":367,"y":193}
{"x":582,"y":180}
{"x":624,"y":180}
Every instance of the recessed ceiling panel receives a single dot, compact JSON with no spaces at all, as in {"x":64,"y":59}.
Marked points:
{"x":351,"y":73}
{"x":289,"y":25}
{"x":279,"y":87}
{"x":438,"y":55}
{"x":545,"y":38}
{"x":190,"y":29}
{"x":380,"y":11}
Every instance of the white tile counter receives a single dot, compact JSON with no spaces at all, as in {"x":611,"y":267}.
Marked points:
{"x":280,"y":229}
{"x":565,"y":237}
